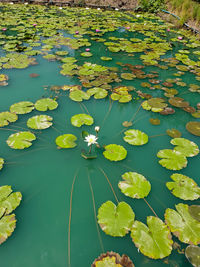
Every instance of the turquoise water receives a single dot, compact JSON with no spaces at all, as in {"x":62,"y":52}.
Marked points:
{"x":44,"y":174}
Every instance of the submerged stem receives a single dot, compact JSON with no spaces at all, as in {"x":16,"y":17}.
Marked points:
{"x":109,"y":183}
{"x":150,"y":207}
{"x":95,"y":215}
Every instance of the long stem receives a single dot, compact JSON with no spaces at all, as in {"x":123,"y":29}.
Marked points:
{"x":70,"y":217}
{"x":95,"y":215}
{"x":134,"y":115}
{"x":150,"y":207}
{"x":109,"y":183}
{"x":90,"y":149}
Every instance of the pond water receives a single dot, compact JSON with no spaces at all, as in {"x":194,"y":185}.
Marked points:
{"x":60,"y":189}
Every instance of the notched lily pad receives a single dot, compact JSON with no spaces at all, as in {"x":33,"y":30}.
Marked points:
{"x":22,"y":107}
{"x":97,"y":92}
{"x":185,"y":147}
{"x":114,"y":152}
{"x":174,"y":133}
{"x":79,"y":120}
{"x":192,"y":253}
{"x":6,"y":117}
{"x":183,"y":187}
{"x":172,"y":160}
{"x":66,"y":141}
{"x":153,"y":240}
{"x":134,"y":185}
{"x":20,"y":140}
{"x":154,"y":121}
{"x":135,"y":137}
{"x":1,"y":163}
{"x":194,"y":211}
{"x":39,"y":122}
{"x":45,"y":104}
{"x":115,"y":220}
{"x":193,"y":127}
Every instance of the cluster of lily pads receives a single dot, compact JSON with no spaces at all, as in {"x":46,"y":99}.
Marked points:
{"x":28,"y":31}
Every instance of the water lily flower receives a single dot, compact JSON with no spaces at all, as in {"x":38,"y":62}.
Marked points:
{"x":116,"y":9}
{"x":11,"y":3}
{"x":128,"y":28}
{"x":98,"y":8}
{"x":97,"y":30}
{"x":97,"y":128}
{"x":137,"y":16}
{"x":4,"y":29}
{"x":180,"y":37}
{"x":77,"y":32}
{"x":87,"y":49}
{"x":91,"y":139}
{"x":60,"y":7}
{"x":34,"y":24}
{"x":168,"y":30}
{"x":87,"y":8}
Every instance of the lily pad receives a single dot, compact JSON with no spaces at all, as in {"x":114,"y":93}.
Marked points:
{"x":7,"y":226}
{"x":153,"y":240}
{"x":115,"y":220}
{"x":39,"y":122}
{"x":7,"y":117}
{"x":154,"y":121}
{"x":106,"y":58}
{"x":78,"y":95}
{"x":1,"y":163}
{"x":135,"y":137}
{"x":22,"y":107}
{"x":192,"y":253}
{"x":97,"y":92}
{"x":115,"y":152}
{"x":183,"y":187}
{"x":20,"y":140}
{"x":174,"y":133}
{"x":127,"y":123}
{"x":112,"y":259}
{"x":128,"y":76}
{"x":182,"y":225}
{"x":45,"y":104}
{"x":86,"y":54}
{"x":66,"y":141}
{"x":172,"y":160}
{"x":194,"y":211}
{"x":134,"y":185}
{"x":193,"y":127}
{"x":185,"y":147}
{"x":79,"y":120}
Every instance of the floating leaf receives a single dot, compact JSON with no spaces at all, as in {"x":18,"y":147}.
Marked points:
{"x":178,"y":102}
{"x":146,"y":106}
{"x":185,"y":147}
{"x":97,"y":92}
{"x":127,"y":123}
{"x":66,"y":141}
{"x":39,"y":122}
{"x":183,"y":187}
{"x":7,"y":117}
{"x":22,"y":107}
{"x":174,"y":133}
{"x":153,"y":240}
{"x":128,"y":76}
{"x":20,"y":140}
{"x":112,"y":259}
{"x":7,"y":226}
{"x":78,"y":95}
{"x":106,"y":58}
{"x":172,"y":160}
{"x":134,"y":185}
{"x":182,"y":225}
{"x":135,"y":137}
{"x":115,"y":220}
{"x":192,"y":253}
{"x":154,"y":121}
{"x":45,"y":104}
{"x":193,"y":127}
{"x":1,"y":163}
{"x":115,"y":152}
{"x":157,"y":103}
{"x":81,"y":119}
{"x":86,"y":54}
{"x":194,"y":211}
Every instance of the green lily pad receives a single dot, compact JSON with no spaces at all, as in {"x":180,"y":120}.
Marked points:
{"x":153,"y":240}
{"x":174,"y":133}
{"x":182,"y":225}
{"x":154,"y":121}
{"x":97,"y":92}
{"x":39,"y":122}
{"x":183,"y":187}
{"x":194,"y":211}
{"x":134,"y":185}
{"x":172,"y":160}
{"x":66,"y":141}
{"x":79,"y":120}
{"x":7,"y":226}
{"x":128,"y":76}
{"x":115,"y":152}
{"x":185,"y":147}
{"x":22,"y":107}
{"x":78,"y":95}
{"x":1,"y":163}
{"x":45,"y":104}
{"x":112,"y":259}
{"x":135,"y":137}
{"x":146,"y":106}
{"x":7,"y":117}
{"x":86,"y":54}
{"x":157,"y":103}
{"x":192,"y":253}
{"x":106,"y":58}
{"x":115,"y":220}
{"x":20,"y":140}
{"x":193,"y":127}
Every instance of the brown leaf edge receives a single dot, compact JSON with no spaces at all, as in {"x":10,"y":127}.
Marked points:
{"x":125,"y":261}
